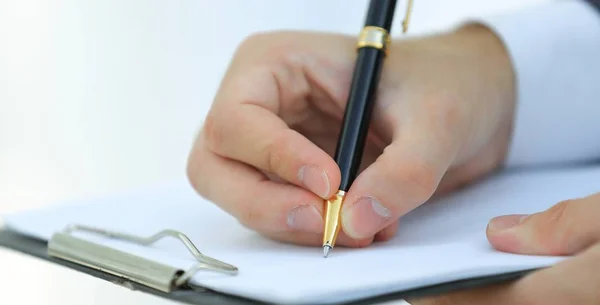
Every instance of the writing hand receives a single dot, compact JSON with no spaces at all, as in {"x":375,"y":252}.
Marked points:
{"x":442,"y":119}
{"x":568,"y":228}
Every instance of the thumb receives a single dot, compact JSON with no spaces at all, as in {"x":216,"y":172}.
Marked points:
{"x":566,"y":228}
{"x":402,"y":178}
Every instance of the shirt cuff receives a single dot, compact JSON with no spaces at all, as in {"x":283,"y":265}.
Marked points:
{"x":555,"y":52}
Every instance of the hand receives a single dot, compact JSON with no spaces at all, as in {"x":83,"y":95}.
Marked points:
{"x":569,"y":228}
{"x":442,"y":119}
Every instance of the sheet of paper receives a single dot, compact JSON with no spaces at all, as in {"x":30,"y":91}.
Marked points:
{"x":441,"y":241}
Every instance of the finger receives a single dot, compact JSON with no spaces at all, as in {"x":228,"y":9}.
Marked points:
{"x":402,"y":178}
{"x":564,"y":229}
{"x":255,"y":135}
{"x":249,"y":196}
{"x":258,"y":203}
{"x":387,"y":233}
{"x":257,"y":102}
{"x":573,"y":281}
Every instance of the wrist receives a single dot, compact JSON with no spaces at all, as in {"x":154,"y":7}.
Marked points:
{"x":497,"y":80}
{"x":491,"y":57}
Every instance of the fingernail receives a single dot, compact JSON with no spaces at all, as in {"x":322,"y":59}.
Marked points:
{"x":505,"y":222}
{"x":315,"y":179}
{"x":364,"y":218}
{"x":305,"y":218}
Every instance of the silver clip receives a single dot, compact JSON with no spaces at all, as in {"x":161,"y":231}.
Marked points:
{"x":165,"y":278}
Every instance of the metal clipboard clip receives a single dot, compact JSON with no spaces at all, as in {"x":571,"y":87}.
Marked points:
{"x":64,"y":245}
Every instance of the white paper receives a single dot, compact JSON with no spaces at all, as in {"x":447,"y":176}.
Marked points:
{"x":439,"y":242}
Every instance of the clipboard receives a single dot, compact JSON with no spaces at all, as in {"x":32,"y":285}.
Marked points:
{"x":139,"y":274}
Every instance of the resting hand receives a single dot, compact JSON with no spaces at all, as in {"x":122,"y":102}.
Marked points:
{"x":568,"y":228}
{"x":442,"y":119}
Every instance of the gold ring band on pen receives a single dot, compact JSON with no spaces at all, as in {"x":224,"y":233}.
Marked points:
{"x":374,"y":37}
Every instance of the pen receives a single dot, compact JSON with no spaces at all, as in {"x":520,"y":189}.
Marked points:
{"x":372,"y":47}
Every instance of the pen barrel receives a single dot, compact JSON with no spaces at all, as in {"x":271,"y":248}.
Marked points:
{"x":381,"y":14}
{"x":357,"y":116}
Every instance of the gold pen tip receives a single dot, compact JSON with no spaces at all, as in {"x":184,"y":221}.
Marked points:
{"x":326,"y":250}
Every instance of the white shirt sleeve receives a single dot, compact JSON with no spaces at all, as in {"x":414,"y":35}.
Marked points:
{"x":555,"y":51}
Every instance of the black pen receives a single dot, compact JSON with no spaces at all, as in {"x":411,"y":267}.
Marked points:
{"x":372,"y":48}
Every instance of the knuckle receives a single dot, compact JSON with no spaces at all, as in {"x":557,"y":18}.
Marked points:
{"x":279,"y":46}
{"x":219,"y":132}
{"x":447,"y":113}
{"x":422,"y":179}
{"x":274,"y":161}
{"x":212,"y":133}
{"x":254,"y":40}
{"x":249,"y":43}
{"x":556,"y":213}
{"x":250,"y":216}
{"x":555,"y":231}
{"x":275,"y":152}
{"x":250,"y":211}
{"x":195,"y":173}
{"x":450,"y":115}
{"x":559,"y":209}
{"x":259,"y":43}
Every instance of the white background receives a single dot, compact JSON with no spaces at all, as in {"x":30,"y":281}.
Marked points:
{"x":101,"y":95}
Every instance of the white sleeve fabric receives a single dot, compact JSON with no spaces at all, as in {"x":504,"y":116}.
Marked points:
{"x":555,"y":51}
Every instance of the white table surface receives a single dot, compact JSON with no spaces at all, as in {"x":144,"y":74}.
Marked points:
{"x":99,"y":96}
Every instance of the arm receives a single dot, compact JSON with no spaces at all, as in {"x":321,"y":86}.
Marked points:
{"x":555,"y":51}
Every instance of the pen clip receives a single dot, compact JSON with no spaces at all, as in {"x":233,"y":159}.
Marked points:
{"x":405,"y":22}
